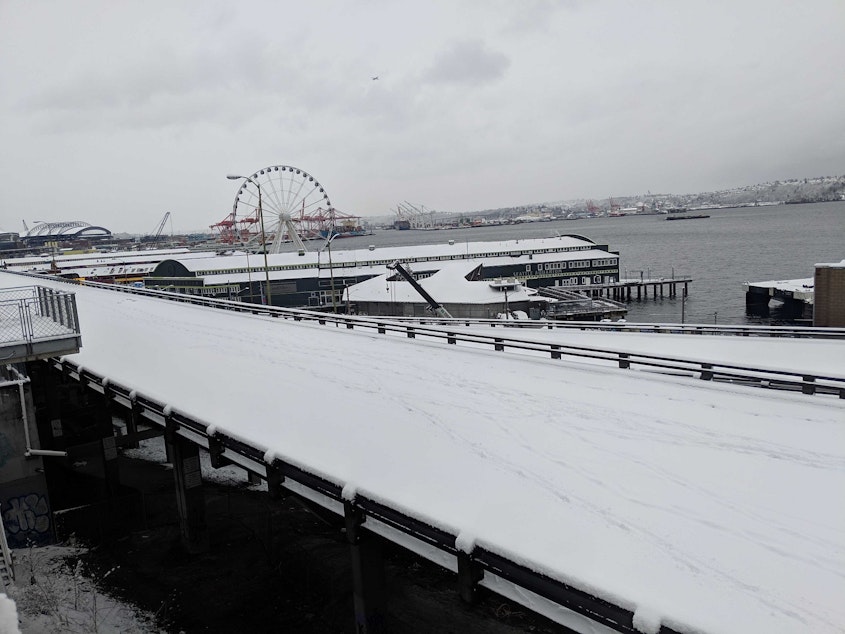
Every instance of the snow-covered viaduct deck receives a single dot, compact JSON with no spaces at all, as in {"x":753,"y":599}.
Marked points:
{"x":646,"y":502}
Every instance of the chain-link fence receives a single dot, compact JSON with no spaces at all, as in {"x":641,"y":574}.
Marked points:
{"x":36,"y":312}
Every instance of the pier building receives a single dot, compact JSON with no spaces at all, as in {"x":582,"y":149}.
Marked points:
{"x":795,"y":295}
{"x":829,"y":302}
{"x":317,"y":278}
{"x":463,"y":290}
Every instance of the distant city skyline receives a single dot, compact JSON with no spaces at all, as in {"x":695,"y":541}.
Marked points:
{"x":477,"y":105}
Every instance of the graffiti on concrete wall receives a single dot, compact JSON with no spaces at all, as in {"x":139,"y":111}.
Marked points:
{"x":27,"y":519}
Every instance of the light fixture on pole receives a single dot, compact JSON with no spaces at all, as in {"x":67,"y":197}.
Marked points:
{"x":328,"y":245}
{"x":234,"y":177}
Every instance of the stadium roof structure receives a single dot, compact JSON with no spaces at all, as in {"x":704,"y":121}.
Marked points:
{"x":70,"y":230}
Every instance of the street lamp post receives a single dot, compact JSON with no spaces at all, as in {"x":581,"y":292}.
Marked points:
{"x":328,"y":246}
{"x":234,"y":177}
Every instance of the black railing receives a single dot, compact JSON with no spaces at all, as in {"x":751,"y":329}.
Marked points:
{"x":440,"y":329}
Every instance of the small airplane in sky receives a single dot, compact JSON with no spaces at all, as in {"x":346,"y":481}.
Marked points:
{"x":375,"y":78}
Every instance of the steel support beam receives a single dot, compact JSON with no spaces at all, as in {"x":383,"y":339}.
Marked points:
{"x":368,"y":578}
{"x":190,"y":498}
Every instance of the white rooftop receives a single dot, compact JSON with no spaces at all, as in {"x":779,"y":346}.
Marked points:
{"x":447,"y":286}
{"x":358,"y":257}
{"x":231,"y":267}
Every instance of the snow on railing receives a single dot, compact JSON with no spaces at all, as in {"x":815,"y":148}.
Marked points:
{"x":433,"y":328}
{"x":452,"y":334}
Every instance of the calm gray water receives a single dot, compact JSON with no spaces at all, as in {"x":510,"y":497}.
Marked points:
{"x":733,"y":246}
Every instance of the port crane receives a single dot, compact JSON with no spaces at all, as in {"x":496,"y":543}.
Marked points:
{"x":436,"y":308}
{"x":160,"y":228}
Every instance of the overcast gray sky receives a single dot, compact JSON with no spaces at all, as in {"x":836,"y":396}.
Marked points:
{"x":115,"y":112}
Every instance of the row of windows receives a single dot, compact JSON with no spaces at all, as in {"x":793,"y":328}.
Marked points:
{"x":543,"y":275}
{"x":121,"y":269}
{"x":336,"y":265}
{"x":584,"y":280}
{"x":575,"y":264}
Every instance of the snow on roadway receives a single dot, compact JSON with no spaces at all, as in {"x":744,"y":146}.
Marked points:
{"x":713,"y":508}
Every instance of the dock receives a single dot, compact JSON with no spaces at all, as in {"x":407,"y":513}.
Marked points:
{"x":625,"y":290}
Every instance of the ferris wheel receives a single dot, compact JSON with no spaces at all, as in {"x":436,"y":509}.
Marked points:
{"x":286,"y":194}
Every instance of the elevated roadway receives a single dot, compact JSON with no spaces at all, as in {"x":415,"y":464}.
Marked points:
{"x":641,"y":501}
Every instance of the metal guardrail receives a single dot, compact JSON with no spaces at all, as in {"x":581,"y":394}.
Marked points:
{"x":792,"y":332}
{"x":708,"y":371}
{"x":798,"y":332}
{"x":433,"y":328}
{"x":36,"y":312}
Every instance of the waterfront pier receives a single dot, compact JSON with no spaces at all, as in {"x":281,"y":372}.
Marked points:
{"x":626,"y":290}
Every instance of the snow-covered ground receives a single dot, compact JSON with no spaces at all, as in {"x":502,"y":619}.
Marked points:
{"x":706,"y":507}
{"x":53,"y":594}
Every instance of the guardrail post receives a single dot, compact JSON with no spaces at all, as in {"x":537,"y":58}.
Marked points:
{"x":450,"y":338}
{"x":706,"y":371}
{"x":555,"y":351}
{"x":623,"y":360}
{"x":498,"y":345}
{"x":469,"y":574}
{"x":275,"y":480}
{"x":215,"y":452}
{"x":381,"y":330}
{"x":368,"y":578}
{"x":349,"y":325}
{"x":809,"y":386}
{"x":411,"y":333}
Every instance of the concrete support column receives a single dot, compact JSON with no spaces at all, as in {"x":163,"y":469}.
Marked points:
{"x":190,"y":498}
{"x":368,"y":578}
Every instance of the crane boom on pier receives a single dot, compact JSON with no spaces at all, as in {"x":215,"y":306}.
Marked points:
{"x":436,"y":308}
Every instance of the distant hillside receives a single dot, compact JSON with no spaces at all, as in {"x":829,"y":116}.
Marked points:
{"x":805,"y":190}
